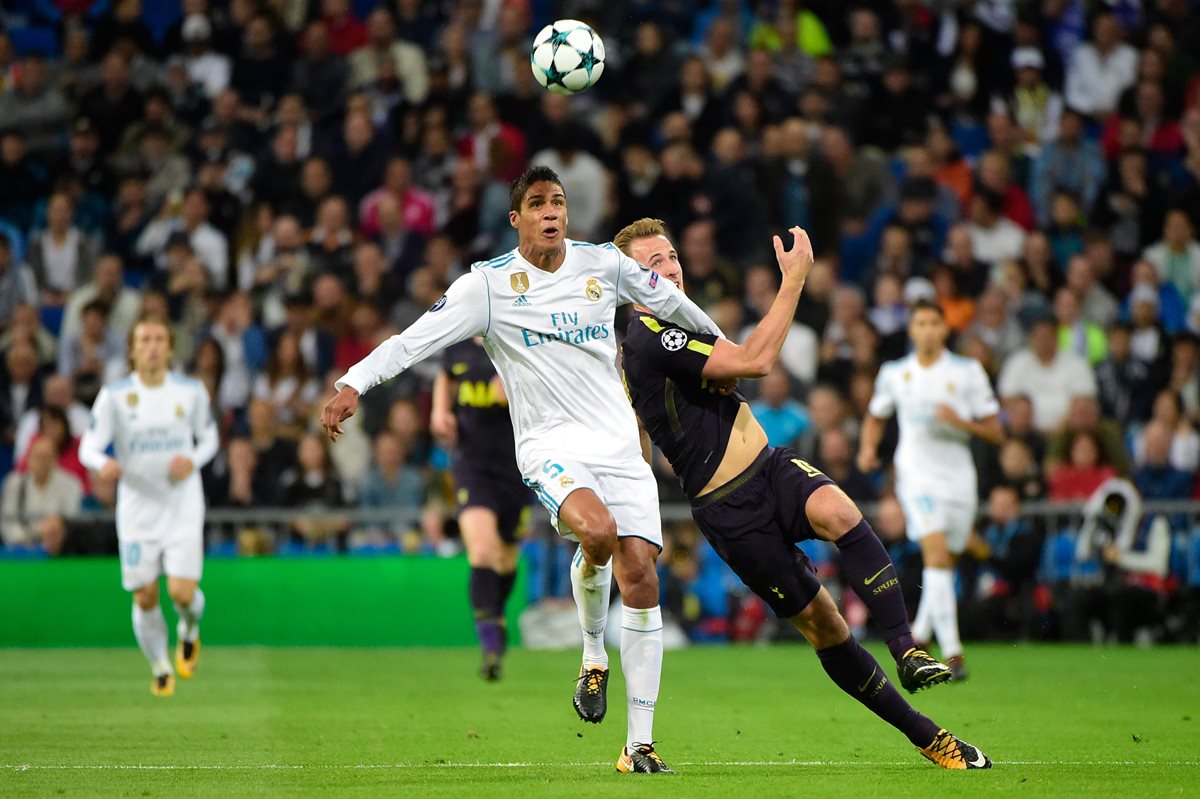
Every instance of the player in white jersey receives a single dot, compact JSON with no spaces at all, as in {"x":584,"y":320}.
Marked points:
{"x":162,"y":431}
{"x":940,"y":400}
{"x":546,"y":312}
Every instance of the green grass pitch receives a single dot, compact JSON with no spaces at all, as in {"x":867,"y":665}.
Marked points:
{"x":736,"y":722}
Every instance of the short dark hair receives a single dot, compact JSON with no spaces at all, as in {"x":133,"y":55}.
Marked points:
{"x":530,"y":176}
{"x":95,"y":306}
{"x":923,"y":304}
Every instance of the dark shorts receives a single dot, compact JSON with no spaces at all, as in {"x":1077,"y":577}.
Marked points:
{"x":509,"y":500}
{"x":754,"y":522}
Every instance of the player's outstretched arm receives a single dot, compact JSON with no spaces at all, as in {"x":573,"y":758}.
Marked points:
{"x":98,"y":436}
{"x":461,"y":313}
{"x":756,"y":356}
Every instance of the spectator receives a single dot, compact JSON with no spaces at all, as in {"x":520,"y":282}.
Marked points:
{"x":17,"y":284}
{"x":1084,"y":416}
{"x":390,"y":483}
{"x":53,"y":427}
{"x":1008,"y":555}
{"x":21,"y":391}
{"x":1176,"y":257}
{"x":1020,"y":469}
{"x":113,"y":104}
{"x":244,"y":348}
{"x":837,"y":460}
{"x":1036,"y":106}
{"x":1077,"y":333}
{"x":205,"y":66}
{"x":798,"y":355}
{"x":191,"y":218}
{"x":1048,"y":376}
{"x":288,"y":386}
{"x":1082,"y":473}
{"x":274,"y":454}
{"x":38,"y":108}
{"x":995,"y":325}
{"x":1123,"y":381}
{"x":1156,"y":477}
{"x":38,"y":500}
{"x":107,"y":286}
{"x":58,"y":393}
{"x":1096,"y":303}
{"x":346,"y":33}
{"x":1171,"y":307}
{"x":260,"y":72}
{"x":1185,"y":441}
{"x":1184,"y":375}
{"x":95,"y":355}
{"x":384,"y":46}
{"x":783,"y":418}
{"x":358,"y":158}
{"x":1070,"y":162}
{"x":1148,"y":340}
{"x":994,"y":238}
{"x":62,"y":256}
{"x":314,"y":488}
{"x":485,"y":126}
{"x":27,"y":326}
{"x":1101,"y":69}
{"x":580,"y":172}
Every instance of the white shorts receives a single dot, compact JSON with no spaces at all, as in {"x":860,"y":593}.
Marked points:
{"x":925,"y":514}
{"x":628,"y":489}
{"x":160,"y":536}
{"x":142,"y":562}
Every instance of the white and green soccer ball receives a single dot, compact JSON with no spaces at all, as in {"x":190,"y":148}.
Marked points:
{"x":567,"y":57}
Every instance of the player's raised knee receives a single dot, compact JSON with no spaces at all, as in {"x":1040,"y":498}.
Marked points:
{"x":832,"y":513}
{"x":181,"y":594}
{"x":146,"y":597}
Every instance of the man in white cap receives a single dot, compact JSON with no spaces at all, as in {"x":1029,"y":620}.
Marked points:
{"x":1035,"y":105}
{"x":205,"y":66}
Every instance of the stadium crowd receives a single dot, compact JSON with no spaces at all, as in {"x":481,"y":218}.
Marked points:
{"x":289,"y":182}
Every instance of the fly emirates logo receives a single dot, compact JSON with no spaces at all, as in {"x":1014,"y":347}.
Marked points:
{"x":567,"y":329}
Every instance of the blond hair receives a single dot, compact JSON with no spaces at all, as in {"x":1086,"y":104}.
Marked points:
{"x":643,"y":228}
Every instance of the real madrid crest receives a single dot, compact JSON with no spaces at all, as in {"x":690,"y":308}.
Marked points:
{"x":179,"y":411}
{"x":593,"y":290}
{"x":131,"y":399}
{"x":566,"y":481}
{"x":520,"y":282}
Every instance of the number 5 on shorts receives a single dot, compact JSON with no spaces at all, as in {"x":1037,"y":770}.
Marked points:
{"x":808,"y":468}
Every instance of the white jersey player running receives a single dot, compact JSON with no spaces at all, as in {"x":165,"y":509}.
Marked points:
{"x":546,"y":312}
{"x":940,"y":400}
{"x":161,"y":428}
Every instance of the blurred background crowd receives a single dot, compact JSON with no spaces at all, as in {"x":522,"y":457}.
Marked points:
{"x":289,"y":182}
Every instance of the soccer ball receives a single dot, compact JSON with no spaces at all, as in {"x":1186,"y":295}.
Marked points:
{"x":567,"y":57}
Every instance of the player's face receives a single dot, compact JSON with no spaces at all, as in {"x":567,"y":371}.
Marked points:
{"x":928,"y":331}
{"x":151,"y":347}
{"x":657,"y":253}
{"x":542,"y":220}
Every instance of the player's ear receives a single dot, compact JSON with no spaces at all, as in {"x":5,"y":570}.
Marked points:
{"x":513,"y":216}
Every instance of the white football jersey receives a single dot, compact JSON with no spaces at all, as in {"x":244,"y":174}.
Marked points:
{"x":933,"y":458}
{"x":148,"y":426}
{"x":552,"y":339}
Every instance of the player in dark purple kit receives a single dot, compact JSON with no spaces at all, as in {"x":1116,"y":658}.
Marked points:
{"x":470,"y":413}
{"x":753,"y":502}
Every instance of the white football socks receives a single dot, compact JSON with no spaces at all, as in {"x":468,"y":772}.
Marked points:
{"x":592,"y":592}
{"x":922,"y":626}
{"x":188,"y":628}
{"x":943,"y":610}
{"x":641,"y":663}
{"x":150,"y":629}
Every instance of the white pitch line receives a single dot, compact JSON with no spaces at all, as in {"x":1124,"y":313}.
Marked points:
{"x":578,"y":764}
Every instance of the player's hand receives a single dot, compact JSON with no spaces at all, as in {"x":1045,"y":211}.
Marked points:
{"x":111,"y":470}
{"x":180,"y":468}
{"x":1111,"y":554}
{"x":946,"y":415}
{"x":444,"y":427}
{"x":867,"y":461}
{"x":337,"y":410}
{"x":796,"y":262}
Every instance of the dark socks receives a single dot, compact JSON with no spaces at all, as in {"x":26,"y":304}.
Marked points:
{"x":859,"y":674}
{"x":485,"y":587}
{"x":873,"y":577}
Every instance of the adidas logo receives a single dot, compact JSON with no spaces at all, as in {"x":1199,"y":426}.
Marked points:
{"x":521,"y":302}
